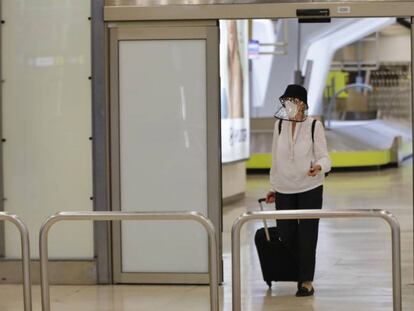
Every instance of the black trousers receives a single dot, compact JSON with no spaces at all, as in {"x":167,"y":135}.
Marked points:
{"x":301,"y":236}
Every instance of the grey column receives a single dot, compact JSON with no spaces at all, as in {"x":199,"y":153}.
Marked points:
{"x":2,"y":198}
{"x":100,"y":138}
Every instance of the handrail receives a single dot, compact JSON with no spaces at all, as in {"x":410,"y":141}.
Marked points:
{"x":316,"y":214}
{"x":111,"y":216}
{"x":25,"y":246}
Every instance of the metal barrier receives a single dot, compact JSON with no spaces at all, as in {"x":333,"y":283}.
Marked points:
{"x":25,"y":246}
{"x":314,"y":214}
{"x":110,"y":216}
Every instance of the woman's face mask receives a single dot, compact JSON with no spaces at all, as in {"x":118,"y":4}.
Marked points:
{"x":291,"y":108}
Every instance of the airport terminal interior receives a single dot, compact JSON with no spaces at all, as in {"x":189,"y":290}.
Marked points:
{"x":107,"y":110}
{"x":353,"y":269}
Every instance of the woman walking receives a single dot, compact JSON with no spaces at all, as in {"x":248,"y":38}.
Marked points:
{"x":300,"y":161}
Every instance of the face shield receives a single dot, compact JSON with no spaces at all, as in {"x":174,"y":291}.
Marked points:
{"x":292,"y":109}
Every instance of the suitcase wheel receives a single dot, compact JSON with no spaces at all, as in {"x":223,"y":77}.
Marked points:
{"x":269,"y":283}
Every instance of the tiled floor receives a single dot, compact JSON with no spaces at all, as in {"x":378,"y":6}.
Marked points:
{"x":353,"y":264}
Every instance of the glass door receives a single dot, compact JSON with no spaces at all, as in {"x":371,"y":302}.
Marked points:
{"x":165,"y":154}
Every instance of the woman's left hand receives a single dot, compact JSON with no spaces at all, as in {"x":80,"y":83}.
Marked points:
{"x":314,"y":170}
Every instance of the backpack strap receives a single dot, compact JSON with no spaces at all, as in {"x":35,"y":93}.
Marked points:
{"x":313,"y":130}
{"x":313,"y":139}
{"x":280,"y":126}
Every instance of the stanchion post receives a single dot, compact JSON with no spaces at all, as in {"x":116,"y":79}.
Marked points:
{"x":111,"y":216}
{"x":396,"y":259}
{"x":25,"y":247}
{"x":235,"y":255}
{"x":316,"y":214}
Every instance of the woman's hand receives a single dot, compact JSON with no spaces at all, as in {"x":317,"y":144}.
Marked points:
{"x":270,"y":197}
{"x":314,"y":170}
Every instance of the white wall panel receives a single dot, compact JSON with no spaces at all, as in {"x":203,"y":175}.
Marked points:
{"x":47,"y":120}
{"x":234,"y":179}
{"x":163,"y":152}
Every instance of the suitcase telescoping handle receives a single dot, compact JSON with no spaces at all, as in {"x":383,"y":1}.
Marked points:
{"x":261,"y":200}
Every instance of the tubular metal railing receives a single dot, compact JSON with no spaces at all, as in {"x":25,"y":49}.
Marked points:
{"x":315,"y":214}
{"x":111,"y":216}
{"x":25,"y":246}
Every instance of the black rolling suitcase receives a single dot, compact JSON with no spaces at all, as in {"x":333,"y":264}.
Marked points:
{"x":277,"y":263}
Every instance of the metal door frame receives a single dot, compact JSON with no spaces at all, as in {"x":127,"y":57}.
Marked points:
{"x":142,"y":11}
{"x":208,"y":31}
{"x":412,"y":102}
{"x":138,"y":10}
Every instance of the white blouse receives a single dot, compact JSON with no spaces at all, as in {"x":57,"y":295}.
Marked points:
{"x":292,"y":157}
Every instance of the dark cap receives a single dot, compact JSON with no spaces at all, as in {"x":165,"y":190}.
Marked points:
{"x":296,"y":91}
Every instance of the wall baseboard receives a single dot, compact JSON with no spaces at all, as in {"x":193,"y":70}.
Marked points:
{"x":61,"y":272}
{"x":233,"y":198}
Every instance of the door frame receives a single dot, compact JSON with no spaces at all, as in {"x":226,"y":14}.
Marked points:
{"x":114,"y":11}
{"x":123,"y":10}
{"x":208,"y":31}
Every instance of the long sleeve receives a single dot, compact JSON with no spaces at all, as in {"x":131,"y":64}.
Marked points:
{"x":272,"y":174}
{"x":321,"y":149}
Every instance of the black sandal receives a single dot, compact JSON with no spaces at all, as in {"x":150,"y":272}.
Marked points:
{"x":304,"y":292}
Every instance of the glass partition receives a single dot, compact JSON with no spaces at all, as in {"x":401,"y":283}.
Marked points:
{"x":46,"y":120}
{"x":163,"y":152}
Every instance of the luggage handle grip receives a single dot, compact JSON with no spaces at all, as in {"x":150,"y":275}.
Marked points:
{"x":261,"y":200}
